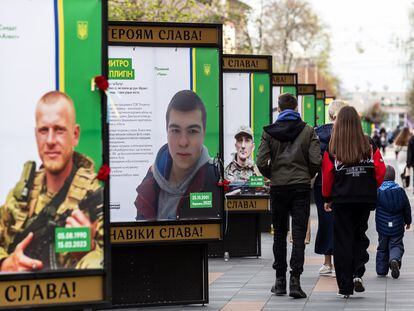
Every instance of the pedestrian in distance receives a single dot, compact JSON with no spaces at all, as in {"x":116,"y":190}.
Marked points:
{"x":289,"y":155}
{"x":376,"y":138}
{"x":392,"y":215}
{"x":352,"y":170}
{"x":401,"y":148}
{"x":324,"y":236}
{"x":410,"y":153}
{"x":383,"y":139}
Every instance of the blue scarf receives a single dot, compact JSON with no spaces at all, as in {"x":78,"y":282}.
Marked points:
{"x":389,"y":184}
{"x":288,"y":115}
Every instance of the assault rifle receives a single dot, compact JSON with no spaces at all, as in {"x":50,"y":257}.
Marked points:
{"x":243,"y":188}
{"x":43,"y":227}
{"x":21,"y":191}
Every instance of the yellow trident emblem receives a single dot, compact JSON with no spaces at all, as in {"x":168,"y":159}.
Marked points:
{"x":207,"y":69}
{"x":82,"y":30}
{"x":261,"y":88}
{"x":308,"y":105}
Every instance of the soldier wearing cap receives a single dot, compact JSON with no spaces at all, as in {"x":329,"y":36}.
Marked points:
{"x":242,"y":166}
{"x":55,"y":197}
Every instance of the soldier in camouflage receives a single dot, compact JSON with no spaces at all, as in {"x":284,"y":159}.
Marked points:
{"x":57,"y":134}
{"x":242,"y":166}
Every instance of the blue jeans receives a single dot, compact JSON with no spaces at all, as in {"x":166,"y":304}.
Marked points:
{"x":389,"y":248}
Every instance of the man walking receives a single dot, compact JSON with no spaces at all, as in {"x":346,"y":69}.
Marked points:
{"x":289,"y":155}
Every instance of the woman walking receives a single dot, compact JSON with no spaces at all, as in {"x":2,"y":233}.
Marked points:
{"x":352,"y":170}
{"x":401,"y":148}
{"x":324,"y":236}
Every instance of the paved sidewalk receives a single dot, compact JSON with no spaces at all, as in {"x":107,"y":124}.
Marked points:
{"x":244,"y":283}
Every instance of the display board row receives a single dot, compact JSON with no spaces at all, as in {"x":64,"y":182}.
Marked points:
{"x":166,"y":123}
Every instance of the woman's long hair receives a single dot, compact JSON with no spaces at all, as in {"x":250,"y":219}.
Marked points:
{"x":348,"y":143}
{"x":403,"y":138}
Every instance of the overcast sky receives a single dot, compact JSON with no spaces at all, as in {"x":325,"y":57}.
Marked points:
{"x":364,"y":34}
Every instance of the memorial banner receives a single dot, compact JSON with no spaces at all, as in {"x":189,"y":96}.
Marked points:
{"x":51,"y":202}
{"x":282,"y":83}
{"x":307,"y":103}
{"x":320,"y":108}
{"x":165,"y":131}
{"x":246,"y":88}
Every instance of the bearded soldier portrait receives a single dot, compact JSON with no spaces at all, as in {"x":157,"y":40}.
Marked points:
{"x":63,"y":193}
{"x":242,"y":166}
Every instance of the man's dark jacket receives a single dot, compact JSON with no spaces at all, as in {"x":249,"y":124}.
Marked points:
{"x":289,"y":153}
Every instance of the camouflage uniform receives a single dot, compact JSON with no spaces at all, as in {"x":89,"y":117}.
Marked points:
{"x":15,"y":215}
{"x":235,"y":172}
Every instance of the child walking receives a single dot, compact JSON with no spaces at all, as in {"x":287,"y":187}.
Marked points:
{"x":392,"y":214}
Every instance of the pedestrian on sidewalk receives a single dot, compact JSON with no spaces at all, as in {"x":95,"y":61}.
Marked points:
{"x":289,"y":155}
{"x":401,"y":148}
{"x":410,"y":155}
{"x":352,"y":170}
{"x":324,"y":236}
{"x":392,"y":214}
{"x":383,"y":139}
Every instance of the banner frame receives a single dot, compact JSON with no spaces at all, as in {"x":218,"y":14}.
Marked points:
{"x":312,"y":85}
{"x":219,"y":46}
{"x":294,"y":85}
{"x":268,"y":58}
{"x":105,"y":272}
{"x":320,"y":95}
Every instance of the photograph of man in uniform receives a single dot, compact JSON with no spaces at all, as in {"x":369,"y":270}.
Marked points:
{"x":182,"y":166}
{"x":64,"y":192}
{"x":242,"y":166}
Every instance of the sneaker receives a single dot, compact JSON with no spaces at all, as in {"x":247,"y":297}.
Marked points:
{"x":358,"y":285}
{"x":325,"y":269}
{"x":395,"y":269}
{"x":343,"y":296}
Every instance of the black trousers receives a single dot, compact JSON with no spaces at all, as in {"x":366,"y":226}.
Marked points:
{"x":350,"y":243}
{"x":297,"y":204}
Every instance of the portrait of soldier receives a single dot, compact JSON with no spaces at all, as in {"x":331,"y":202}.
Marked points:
{"x":182,"y":166}
{"x":242,"y":165}
{"x":64,"y":192}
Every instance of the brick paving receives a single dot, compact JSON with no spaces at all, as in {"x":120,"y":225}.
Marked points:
{"x":243,"y":284}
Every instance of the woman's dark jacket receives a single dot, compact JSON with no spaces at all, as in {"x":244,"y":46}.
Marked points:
{"x":324,"y":134}
{"x":356,"y":183}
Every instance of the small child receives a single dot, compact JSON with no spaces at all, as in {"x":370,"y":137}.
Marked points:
{"x":393,"y":212}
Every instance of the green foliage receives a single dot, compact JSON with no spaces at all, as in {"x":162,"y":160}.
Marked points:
{"x":280,"y":29}
{"x":374,"y":114}
{"x":166,"y":11}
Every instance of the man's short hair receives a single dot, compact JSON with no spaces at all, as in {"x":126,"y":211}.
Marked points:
{"x":52,"y":97}
{"x":186,"y":101}
{"x":287,"y":101}
{"x":389,"y":173}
